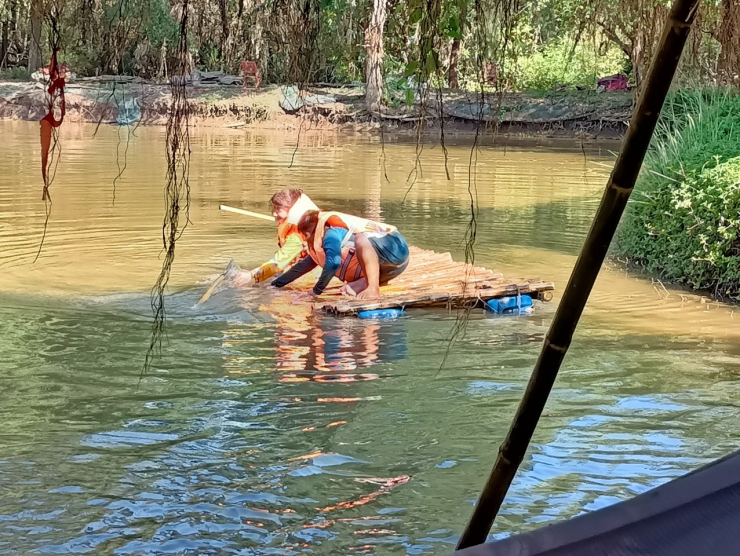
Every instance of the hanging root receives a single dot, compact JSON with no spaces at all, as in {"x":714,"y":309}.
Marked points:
{"x":298,"y":25}
{"x":490,"y":45}
{"x":177,"y":188}
{"x":51,"y":149}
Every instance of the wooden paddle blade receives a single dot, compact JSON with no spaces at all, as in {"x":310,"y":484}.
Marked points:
{"x":209,"y":292}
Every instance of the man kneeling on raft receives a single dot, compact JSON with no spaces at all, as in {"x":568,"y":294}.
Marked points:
{"x":362,"y":253}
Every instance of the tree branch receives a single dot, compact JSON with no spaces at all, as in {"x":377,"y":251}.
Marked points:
{"x":612,"y":36}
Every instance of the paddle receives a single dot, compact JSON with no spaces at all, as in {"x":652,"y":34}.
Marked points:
{"x":246,"y":213}
{"x":220,"y":280}
{"x":230,"y":271}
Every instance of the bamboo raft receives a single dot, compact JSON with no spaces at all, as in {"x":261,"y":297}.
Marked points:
{"x":435,"y":280}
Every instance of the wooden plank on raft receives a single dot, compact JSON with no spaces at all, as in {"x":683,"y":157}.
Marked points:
{"x":435,"y":280}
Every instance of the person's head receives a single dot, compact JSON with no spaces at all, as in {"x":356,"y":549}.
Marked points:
{"x":307,"y":224}
{"x":282,"y":201}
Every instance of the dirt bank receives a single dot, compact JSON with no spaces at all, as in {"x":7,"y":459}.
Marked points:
{"x":111,"y":101}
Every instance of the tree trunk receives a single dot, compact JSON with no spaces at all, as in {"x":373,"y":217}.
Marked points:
{"x":374,"y":57}
{"x":452,"y":70}
{"x":452,"y":76}
{"x":638,"y":60}
{"x":728,"y":64}
{"x":4,"y":45}
{"x":34,"y":48}
{"x":224,"y":28}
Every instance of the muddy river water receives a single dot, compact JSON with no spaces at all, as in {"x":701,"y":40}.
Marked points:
{"x":261,"y":430}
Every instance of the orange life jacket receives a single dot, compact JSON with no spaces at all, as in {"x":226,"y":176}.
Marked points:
{"x":350,"y":269}
{"x":284,"y":231}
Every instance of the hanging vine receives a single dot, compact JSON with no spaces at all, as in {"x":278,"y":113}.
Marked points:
{"x":494,"y":22}
{"x":177,"y":188}
{"x":298,"y":27}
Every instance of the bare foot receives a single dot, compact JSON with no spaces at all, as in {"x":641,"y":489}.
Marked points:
{"x":347,"y":290}
{"x":369,"y":293}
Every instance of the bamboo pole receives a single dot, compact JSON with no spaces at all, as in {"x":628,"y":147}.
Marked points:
{"x":618,"y":189}
{"x":246,"y":213}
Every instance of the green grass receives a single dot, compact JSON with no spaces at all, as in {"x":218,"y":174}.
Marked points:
{"x":560,"y":64}
{"x":15,"y":74}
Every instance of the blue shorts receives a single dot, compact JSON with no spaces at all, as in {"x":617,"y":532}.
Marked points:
{"x":393,"y":254}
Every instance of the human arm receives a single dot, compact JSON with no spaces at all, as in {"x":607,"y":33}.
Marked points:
{"x":333,"y":250}
{"x":289,"y":252}
{"x":283,"y":258}
{"x":304,"y":266}
{"x":263,"y":272}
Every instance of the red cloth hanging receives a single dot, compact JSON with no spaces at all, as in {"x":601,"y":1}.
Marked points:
{"x":49,"y":122}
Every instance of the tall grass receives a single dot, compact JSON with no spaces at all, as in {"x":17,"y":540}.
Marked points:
{"x":683,"y":221}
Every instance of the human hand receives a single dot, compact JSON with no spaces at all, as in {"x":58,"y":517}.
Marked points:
{"x":244,"y":279}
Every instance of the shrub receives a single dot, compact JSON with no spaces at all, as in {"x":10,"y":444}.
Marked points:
{"x":15,"y":74}
{"x":684,"y":219}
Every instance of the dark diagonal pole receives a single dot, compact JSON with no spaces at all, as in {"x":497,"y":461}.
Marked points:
{"x":584,"y":274}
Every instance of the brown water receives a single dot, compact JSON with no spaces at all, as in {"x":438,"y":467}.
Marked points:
{"x":265,"y":430}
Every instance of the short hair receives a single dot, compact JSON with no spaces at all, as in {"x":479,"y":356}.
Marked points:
{"x":308,"y":222}
{"x":285,"y":198}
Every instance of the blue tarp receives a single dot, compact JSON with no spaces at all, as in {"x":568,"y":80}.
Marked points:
{"x":291,"y":99}
{"x":129,"y":111}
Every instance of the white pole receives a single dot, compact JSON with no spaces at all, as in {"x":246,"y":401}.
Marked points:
{"x":247,"y":213}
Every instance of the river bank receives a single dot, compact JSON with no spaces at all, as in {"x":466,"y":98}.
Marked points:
{"x":110,"y":100}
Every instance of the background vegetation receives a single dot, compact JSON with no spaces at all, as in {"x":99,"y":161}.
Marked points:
{"x":535,"y":44}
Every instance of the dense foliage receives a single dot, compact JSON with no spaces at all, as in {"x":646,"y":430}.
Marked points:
{"x":535,"y":44}
{"x":684,"y":219}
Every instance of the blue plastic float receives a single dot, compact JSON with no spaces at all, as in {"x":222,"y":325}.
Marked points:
{"x":515,"y":304}
{"x":391,"y":313}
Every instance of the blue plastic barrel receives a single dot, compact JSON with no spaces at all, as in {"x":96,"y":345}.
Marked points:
{"x":515,"y":304}
{"x":381,"y":313}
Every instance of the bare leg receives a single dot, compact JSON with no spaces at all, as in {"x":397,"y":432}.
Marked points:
{"x":370,"y":266}
{"x":353,"y":288}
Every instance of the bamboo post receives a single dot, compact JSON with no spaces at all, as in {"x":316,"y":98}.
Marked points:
{"x":618,"y":189}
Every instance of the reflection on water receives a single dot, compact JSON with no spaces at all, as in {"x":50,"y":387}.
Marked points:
{"x":266,"y":430}
{"x":326,"y":349}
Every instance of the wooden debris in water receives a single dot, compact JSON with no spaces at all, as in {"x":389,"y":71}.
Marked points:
{"x":435,"y":280}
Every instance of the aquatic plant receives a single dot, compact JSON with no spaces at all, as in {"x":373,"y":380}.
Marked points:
{"x":684,"y":220}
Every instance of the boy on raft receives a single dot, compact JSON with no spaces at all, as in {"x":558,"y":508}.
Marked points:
{"x":362,"y":253}
{"x":288,"y":205}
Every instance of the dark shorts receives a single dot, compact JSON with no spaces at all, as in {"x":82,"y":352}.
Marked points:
{"x":393,"y":254}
